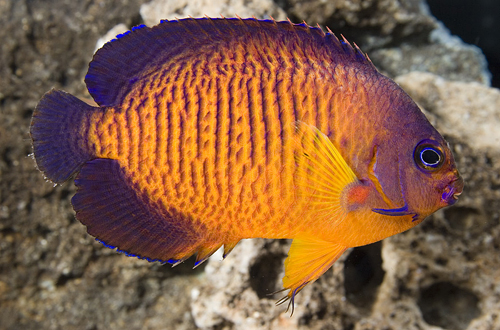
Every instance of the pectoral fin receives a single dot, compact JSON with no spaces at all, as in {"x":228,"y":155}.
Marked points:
{"x":307,"y":260}
{"x":322,"y":171}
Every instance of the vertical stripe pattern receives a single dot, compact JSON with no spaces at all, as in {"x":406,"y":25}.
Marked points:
{"x":210,"y":135}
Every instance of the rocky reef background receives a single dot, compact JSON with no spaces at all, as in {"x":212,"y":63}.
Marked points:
{"x":443,"y":274}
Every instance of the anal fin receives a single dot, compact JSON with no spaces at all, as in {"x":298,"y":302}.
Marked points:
{"x":307,"y":260}
{"x":228,"y":247}
{"x":122,"y":217}
{"x":205,"y":252}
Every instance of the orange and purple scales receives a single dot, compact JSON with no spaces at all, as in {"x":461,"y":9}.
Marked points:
{"x":209,"y":131}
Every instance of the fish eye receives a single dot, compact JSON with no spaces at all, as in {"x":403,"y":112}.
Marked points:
{"x":428,"y":155}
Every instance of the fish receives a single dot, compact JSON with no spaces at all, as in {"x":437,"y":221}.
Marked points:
{"x":208,"y":131}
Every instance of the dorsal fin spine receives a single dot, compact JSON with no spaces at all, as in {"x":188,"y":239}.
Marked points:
{"x":120,"y":63}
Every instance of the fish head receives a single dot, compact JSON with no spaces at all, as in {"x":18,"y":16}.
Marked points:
{"x":428,"y":174}
{"x":412,"y":166}
{"x":435,"y":169}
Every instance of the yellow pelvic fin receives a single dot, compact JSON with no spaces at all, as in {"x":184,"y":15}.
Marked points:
{"x":322,"y":170}
{"x":307,"y":260}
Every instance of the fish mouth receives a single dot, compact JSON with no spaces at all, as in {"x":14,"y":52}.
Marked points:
{"x":453,"y":190}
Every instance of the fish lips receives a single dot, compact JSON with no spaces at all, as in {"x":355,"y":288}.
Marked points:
{"x":452,"y":191}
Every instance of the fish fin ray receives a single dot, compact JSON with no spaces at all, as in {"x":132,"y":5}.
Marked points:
{"x":228,"y":247}
{"x":119,"y":217}
{"x":307,"y":260}
{"x":204,"y":252}
{"x":57,"y":118}
{"x":125,"y":60}
{"x":319,"y":162}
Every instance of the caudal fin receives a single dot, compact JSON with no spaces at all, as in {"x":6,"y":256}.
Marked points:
{"x":58,"y":148}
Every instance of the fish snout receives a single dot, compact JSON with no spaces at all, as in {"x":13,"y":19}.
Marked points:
{"x":453,"y":190}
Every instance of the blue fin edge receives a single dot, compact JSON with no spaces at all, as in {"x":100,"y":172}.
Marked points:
{"x":169,"y":261}
{"x":397,"y":212}
{"x":131,"y":55}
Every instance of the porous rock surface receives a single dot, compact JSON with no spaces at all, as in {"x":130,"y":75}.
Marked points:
{"x":157,"y":10}
{"x":443,"y":274}
{"x":400,"y":36}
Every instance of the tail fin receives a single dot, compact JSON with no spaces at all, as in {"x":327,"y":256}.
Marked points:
{"x":57,"y":145}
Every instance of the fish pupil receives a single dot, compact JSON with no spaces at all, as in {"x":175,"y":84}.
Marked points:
{"x":430,"y":157}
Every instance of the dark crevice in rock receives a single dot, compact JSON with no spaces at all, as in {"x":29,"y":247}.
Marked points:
{"x":286,"y":6}
{"x":448,"y":306}
{"x":363,"y":275}
{"x":347,"y":324}
{"x":7,"y":231}
{"x":6,"y":156}
{"x":136,"y":20}
{"x":26,"y":114}
{"x":42,"y":230}
{"x":264,"y":274}
{"x":65,"y":193}
{"x":441,"y":261}
{"x":224,"y":325}
{"x":65,"y":278}
{"x":319,"y":313}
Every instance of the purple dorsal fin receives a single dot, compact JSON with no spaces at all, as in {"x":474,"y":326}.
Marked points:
{"x":122,"y":62}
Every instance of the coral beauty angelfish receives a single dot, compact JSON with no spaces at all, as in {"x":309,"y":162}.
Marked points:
{"x":209,"y":131}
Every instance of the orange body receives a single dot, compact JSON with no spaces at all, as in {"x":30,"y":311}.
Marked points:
{"x":221,"y":147}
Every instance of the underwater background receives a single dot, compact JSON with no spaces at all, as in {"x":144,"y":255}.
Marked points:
{"x":443,"y":274}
